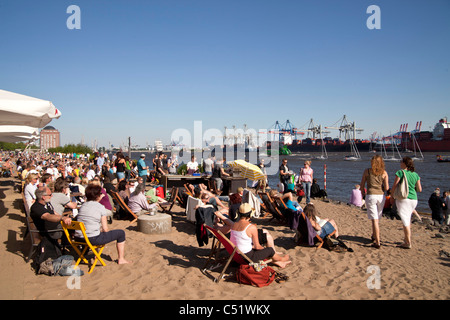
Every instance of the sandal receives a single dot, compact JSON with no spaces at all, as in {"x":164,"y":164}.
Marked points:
{"x":281,"y":277}
{"x":376,"y":246}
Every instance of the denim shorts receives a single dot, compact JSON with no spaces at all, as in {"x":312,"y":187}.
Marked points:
{"x":326,"y":230}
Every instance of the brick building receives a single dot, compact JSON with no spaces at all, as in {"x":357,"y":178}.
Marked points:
{"x":49,"y":138}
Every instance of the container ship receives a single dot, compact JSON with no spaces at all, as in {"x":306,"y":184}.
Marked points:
{"x":437,"y":140}
{"x":331,"y":145}
{"x":318,"y":143}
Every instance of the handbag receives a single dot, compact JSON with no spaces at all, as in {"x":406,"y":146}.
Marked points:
{"x":257,"y":275}
{"x":402,"y":190}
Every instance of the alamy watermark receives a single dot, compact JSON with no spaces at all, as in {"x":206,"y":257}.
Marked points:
{"x":249,"y":144}
{"x":73,"y":22}
{"x":374,"y":280}
{"x":374,"y":21}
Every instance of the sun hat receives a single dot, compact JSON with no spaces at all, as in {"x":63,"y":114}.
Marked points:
{"x":246,"y":209}
{"x":142,"y":155}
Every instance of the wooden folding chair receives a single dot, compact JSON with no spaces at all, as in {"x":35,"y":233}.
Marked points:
{"x":85,"y":244}
{"x":233,"y":251}
{"x":124,"y":206}
{"x":305,"y":229}
{"x":271,"y":206}
{"x":188,"y":191}
{"x":167,"y":207}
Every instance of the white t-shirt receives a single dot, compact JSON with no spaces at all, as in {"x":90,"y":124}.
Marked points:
{"x":90,"y":174}
{"x":192,"y":165}
{"x":29,"y":191}
{"x":208,"y":165}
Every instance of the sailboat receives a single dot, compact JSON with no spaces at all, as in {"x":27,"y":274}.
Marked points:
{"x":394,"y":147}
{"x":355,"y":153}
{"x":416,"y":145}
{"x":324,"y":155}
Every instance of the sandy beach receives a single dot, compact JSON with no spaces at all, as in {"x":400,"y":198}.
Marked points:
{"x":168,"y":267}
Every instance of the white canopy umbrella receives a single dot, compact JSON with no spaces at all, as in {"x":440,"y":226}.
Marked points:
{"x":18,"y":133}
{"x":21,"y":110}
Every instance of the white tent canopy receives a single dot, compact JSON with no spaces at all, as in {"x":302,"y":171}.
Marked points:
{"x":21,"y":110}
{"x":18,"y":133}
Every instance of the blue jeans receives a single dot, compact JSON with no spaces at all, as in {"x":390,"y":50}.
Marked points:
{"x":326,"y":230}
{"x":307,"y":189}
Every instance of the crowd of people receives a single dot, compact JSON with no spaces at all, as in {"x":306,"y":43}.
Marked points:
{"x":55,"y":184}
{"x":64,"y":187}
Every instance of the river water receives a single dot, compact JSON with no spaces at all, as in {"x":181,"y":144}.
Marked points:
{"x":341,"y":175}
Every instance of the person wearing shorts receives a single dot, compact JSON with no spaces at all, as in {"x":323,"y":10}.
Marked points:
{"x":405,"y":207}
{"x":377,"y":181}
{"x":323,"y":227}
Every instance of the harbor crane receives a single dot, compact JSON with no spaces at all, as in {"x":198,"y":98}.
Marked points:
{"x":346,"y":128}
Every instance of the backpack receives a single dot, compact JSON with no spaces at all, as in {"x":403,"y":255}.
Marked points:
{"x":61,"y":266}
{"x":47,"y":250}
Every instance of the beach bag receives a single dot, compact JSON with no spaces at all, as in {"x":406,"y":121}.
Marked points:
{"x":402,"y":190}
{"x":46,"y":267}
{"x":160,"y":191}
{"x":257,"y":275}
{"x":61,"y":264}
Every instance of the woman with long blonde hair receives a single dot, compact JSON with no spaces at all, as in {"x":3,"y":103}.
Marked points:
{"x":377,"y":181}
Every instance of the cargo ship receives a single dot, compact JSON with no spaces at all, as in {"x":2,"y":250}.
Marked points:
{"x":318,"y":143}
{"x":437,"y":140}
{"x":331,"y":145}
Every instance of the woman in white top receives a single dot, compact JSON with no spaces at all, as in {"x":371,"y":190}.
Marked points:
{"x":323,"y":227}
{"x":246,"y":237}
{"x":32,"y":182}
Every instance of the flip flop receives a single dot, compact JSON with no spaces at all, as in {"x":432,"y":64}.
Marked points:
{"x":404,"y":246}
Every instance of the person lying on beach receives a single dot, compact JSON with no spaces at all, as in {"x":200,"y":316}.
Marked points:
{"x":257,"y":244}
{"x":323,"y":227}
{"x":287,"y":198}
{"x":201,"y":189}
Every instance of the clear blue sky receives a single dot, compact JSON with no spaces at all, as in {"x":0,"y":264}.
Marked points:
{"x":145,"y":68}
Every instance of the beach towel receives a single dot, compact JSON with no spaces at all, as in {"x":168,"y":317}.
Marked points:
{"x":190,"y":208}
{"x":253,"y":201}
{"x":203,"y":215}
{"x":292,"y":217}
{"x":306,"y":230}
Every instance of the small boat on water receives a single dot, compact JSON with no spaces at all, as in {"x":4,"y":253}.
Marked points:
{"x":394,"y":148}
{"x":440,"y":158}
{"x":355,"y":153}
